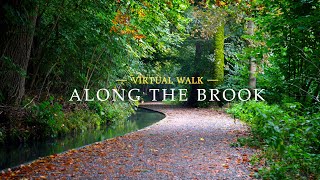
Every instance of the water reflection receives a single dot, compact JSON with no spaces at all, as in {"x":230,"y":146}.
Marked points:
{"x":17,"y":154}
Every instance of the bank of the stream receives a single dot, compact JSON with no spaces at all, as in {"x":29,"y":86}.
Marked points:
{"x":15,"y":154}
{"x":53,"y":119}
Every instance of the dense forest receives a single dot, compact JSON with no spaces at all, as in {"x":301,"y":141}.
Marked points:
{"x":50,"y":48}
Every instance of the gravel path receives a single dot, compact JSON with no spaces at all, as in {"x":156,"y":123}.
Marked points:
{"x":188,"y":144}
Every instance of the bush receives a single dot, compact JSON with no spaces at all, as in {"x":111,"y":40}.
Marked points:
{"x":49,"y":118}
{"x":51,"y":121}
{"x":289,"y":136}
{"x":82,"y":120}
{"x":111,"y":112}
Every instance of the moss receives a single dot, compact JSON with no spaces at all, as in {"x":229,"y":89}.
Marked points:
{"x":219,"y":55}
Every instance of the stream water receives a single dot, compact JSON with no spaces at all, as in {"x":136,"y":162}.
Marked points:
{"x":14,"y":155}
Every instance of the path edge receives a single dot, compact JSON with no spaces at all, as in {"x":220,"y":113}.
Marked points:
{"x":64,"y":152}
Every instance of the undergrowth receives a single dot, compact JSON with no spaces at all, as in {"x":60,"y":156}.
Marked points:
{"x":50,"y":118}
{"x":288,"y":134}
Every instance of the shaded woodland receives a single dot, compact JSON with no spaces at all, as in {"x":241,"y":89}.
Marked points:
{"x":50,"y":48}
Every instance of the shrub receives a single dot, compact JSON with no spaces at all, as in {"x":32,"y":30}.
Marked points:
{"x":48,"y":117}
{"x":111,"y":112}
{"x":289,"y":136}
{"x":82,"y":120}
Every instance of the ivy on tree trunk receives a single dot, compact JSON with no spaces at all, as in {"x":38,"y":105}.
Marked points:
{"x":219,"y":55}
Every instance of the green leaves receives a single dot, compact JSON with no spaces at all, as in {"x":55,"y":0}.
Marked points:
{"x":287,"y":29}
{"x":288,"y":138}
{"x":48,"y":116}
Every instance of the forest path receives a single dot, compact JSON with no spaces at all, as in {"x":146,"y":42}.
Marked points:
{"x":189,"y":143}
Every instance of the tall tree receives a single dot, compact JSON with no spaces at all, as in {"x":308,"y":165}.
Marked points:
{"x":292,"y":51}
{"x":16,"y":38}
{"x":212,"y":19}
{"x":252,"y":61}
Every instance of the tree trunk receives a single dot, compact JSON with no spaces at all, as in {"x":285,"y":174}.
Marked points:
{"x":219,"y":55}
{"x":316,"y":94}
{"x":252,"y":61}
{"x":15,"y":45}
{"x":192,"y":100}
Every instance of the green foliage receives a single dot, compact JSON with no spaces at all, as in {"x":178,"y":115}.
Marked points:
{"x":246,"y":141}
{"x":48,"y":116}
{"x":86,"y":44}
{"x":286,"y":48}
{"x":111,"y":112}
{"x":291,"y":54}
{"x":289,"y":136}
{"x":94,"y":43}
{"x":51,"y":121}
{"x":82,"y":120}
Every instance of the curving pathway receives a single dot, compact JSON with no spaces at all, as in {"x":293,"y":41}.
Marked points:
{"x":189,"y":143}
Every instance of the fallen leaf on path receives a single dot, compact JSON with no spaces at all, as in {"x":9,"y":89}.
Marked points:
{"x":225,"y":166}
{"x":43,"y":177}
